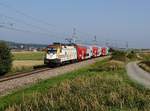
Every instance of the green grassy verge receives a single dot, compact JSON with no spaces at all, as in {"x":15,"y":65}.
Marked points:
{"x":28,"y":55}
{"x":101,"y":86}
{"x":41,"y":87}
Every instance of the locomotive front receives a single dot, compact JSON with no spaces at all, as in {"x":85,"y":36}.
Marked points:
{"x":58,"y":54}
{"x":51,"y":56}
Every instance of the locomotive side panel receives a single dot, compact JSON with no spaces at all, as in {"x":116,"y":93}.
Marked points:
{"x":68,"y":53}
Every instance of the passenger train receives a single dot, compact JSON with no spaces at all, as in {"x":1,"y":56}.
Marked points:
{"x":58,"y":54}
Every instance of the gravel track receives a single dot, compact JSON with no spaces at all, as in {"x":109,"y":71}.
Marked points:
{"x":138,"y":74}
{"x":7,"y":87}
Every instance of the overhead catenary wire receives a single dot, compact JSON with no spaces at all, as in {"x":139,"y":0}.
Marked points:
{"x":85,"y":33}
{"x":26,"y":15}
{"x":30,"y":17}
{"x":25,"y":23}
{"x":41,"y":29}
{"x":26,"y":31}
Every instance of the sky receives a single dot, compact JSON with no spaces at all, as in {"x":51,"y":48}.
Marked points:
{"x":116,"y":22}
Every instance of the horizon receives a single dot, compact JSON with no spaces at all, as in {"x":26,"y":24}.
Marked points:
{"x":43,"y":22}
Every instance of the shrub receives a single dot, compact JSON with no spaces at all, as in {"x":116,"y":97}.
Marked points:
{"x":145,"y":56}
{"x":132,"y":55}
{"x":108,"y":66}
{"x":119,"y":55}
{"x":94,"y":93}
{"x":5,"y":58}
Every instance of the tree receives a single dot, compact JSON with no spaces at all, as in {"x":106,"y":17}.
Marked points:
{"x":5,"y":58}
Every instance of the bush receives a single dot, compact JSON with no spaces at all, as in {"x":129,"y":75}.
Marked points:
{"x":5,"y":58}
{"x":119,"y":55}
{"x":88,"y":93}
{"x":132,"y":55}
{"x":107,"y":66}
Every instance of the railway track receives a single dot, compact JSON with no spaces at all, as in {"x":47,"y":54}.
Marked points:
{"x":19,"y":75}
{"x":35,"y":71}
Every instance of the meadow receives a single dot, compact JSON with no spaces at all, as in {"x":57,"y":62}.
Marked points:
{"x":28,"y":55}
{"x":103,"y":86}
{"x":145,"y":56}
{"x":25,"y":61}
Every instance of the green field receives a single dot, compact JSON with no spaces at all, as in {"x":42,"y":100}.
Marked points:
{"x":145,"y":56}
{"x":25,"y":61}
{"x":26,"y":55}
{"x":101,"y":86}
{"x":25,"y":65}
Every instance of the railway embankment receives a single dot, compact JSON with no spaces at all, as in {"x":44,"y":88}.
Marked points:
{"x":9,"y":85}
{"x":103,"y":85}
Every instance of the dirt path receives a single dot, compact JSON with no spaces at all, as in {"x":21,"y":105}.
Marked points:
{"x":138,"y":74}
{"x":7,"y":87}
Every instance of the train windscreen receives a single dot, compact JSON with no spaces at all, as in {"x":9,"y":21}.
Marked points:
{"x":52,"y":50}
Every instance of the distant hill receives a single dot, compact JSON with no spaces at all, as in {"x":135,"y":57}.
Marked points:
{"x":15,"y":45}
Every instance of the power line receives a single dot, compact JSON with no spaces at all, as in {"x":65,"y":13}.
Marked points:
{"x":23,"y":22}
{"x":26,"y":15}
{"x":27,"y":24}
{"x":21,"y":30}
{"x":34,"y":19}
{"x":85,"y":33}
{"x":74,"y":35}
{"x":95,"y":40}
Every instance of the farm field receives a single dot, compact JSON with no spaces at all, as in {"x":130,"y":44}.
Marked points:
{"x":24,"y":61}
{"x":101,"y":86}
{"x":145,"y":56}
{"x":25,"y":65}
{"x":27,"y":55}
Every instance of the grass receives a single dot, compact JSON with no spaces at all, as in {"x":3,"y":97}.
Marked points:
{"x":41,"y":87}
{"x":27,"y":55}
{"x":26,"y":60}
{"x":145,"y":56}
{"x":101,"y":86}
{"x":24,"y":65}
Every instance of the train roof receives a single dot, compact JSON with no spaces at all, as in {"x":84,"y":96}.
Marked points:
{"x":57,"y":44}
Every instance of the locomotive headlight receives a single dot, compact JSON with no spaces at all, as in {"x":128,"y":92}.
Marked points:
{"x":51,"y":56}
